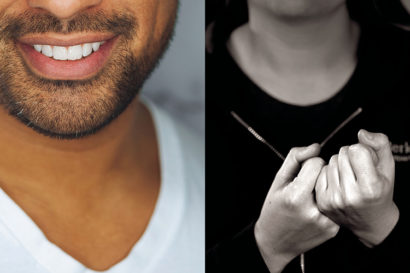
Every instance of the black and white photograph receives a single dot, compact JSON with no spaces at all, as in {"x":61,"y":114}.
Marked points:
{"x":307,"y":136}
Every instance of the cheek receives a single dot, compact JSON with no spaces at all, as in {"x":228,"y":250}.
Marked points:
{"x":155,"y":21}
{"x":12,"y":7}
{"x":164,"y":21}
{"x":145,"y":13}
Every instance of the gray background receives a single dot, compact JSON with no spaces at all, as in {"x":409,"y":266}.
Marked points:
{"x":178,"y":84}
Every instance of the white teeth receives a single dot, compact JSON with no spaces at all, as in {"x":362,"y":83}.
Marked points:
{"x":96,"y":46}
{"x":47,"y":50}
{"x":38,"y":47}
{"x":62,"y":53}
{"x":87,"y":49}
{"x":75,"y":52}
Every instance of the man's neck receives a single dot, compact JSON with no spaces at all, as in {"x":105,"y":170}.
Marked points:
{"x":33,"y":160}
{"x":77,"y":191}
{"x":301,"y":61}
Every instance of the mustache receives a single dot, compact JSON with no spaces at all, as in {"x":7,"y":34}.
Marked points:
{"x":29,"y":22}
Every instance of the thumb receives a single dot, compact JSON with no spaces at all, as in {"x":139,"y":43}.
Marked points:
{"x":380,"y":144}
{"x":293,"y":161}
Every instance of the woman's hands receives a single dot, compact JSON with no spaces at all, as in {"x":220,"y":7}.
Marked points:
{"x":356,"y":188}
{"x":290,"y":222}
{"x":308,"y":200}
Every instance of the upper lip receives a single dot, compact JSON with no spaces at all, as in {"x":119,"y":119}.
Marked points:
{"x":64,"y":39}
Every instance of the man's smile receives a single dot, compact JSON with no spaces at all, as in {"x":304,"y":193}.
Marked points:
{"x":60,"y":58}
{"x":68,"y":69}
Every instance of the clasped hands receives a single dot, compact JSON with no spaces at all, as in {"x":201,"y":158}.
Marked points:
{"x":309,"y":200}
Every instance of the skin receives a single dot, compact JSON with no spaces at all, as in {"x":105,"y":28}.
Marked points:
{"x":309,"y":43}
{"x":304,"y":57}
{"x":290,"y":222}
{"x":294,"y":10}
{"x":91,"y":103}
{"x":406,"y":4}
{"x":91,"y":196}
{"x":309,"y":200}
{"x":356,"y":188}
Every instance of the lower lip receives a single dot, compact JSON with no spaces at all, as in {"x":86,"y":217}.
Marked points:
{"x":67,"y":70}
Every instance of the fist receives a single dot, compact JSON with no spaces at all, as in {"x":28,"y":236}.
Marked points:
{"x":356,"y":188}
{"x":290,"y":222}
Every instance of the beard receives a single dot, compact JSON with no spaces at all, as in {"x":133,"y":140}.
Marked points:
{"x":70,"y":109}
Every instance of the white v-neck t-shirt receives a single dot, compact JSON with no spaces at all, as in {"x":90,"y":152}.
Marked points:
{"x":174,"y":239}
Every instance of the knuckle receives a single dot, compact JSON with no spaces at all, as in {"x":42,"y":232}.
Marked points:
{"x":294,"y":151}
{"x":337,"y":202}
{"x":372,"y":194}
{"x":318,"y":161}
{"x":353,"y":201}
{"x":334,"y":159}
{"x":322,"y":204}
{"x":372,"y":182}
{"x":358,"y":147}
{"x":383,"y":138}
{"x":343,"y":150}
{"x":293,"y":201}
{"x":315,"y":162}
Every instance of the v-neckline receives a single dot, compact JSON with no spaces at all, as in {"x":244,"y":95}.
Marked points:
{"x":161,"y":229}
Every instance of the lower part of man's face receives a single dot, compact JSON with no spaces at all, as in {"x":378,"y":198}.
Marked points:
{"x":41,"y":87}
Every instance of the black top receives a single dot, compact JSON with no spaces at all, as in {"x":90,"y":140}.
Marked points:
{"x":240,"y":169}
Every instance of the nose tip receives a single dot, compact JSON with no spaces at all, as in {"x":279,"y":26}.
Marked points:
{"x":63,"y":9}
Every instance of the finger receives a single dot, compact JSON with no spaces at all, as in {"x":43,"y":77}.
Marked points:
{"x":321,"y":190}
{"x":335,"y":201}
{"x":293,"y":160}
{"x":307,"y":177}
{"x":321,"y":184}
{"x":333,"y":173}
{"x":381,"y":145}
{"x":347,"y":178}
{"x":362,"y":164}
{"x":364,"y":137}
{"x":334,"y":191}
